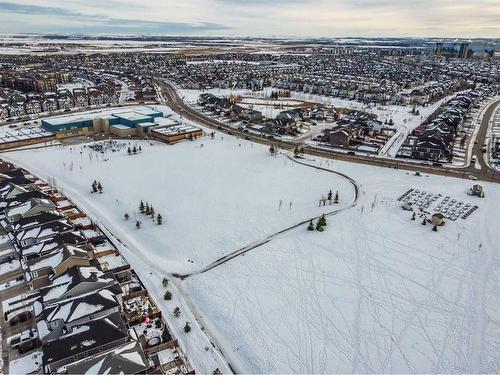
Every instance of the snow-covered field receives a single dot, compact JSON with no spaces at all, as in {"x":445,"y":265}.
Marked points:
{"x":215,"y":195}
{"x":374,"y":292}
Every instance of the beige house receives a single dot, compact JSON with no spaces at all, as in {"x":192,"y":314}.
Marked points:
{"x":38,"y":271}
{"x":30,"y":208}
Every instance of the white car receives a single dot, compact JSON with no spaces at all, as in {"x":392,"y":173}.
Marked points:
{"x":471,"y":177}
{"x":16,"y":340}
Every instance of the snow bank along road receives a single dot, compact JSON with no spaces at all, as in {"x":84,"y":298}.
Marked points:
{"x":269,"y":238}
{"x":171,"y":98}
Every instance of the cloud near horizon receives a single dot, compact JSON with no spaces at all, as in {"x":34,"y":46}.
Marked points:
{"x":301,"y":18}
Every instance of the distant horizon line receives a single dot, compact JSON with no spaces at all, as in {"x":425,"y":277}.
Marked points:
{"x":221,"y":36}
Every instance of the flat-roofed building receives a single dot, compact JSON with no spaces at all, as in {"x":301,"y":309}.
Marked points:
{"x":176,"y":133}
{"x":122,"y":130}
{"x":131,"y":119}
{"x":68,"y":123}
{"x":143,"y":129}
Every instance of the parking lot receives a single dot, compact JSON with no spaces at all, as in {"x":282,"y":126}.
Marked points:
{"x":431,"y":203}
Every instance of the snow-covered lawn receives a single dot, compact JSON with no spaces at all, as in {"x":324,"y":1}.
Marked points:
{"x":213,"y":199}
{"x":376,"y":292}
{"x":10,"y":284}
{"x":9,"y":267}
{"x":27,"y":364}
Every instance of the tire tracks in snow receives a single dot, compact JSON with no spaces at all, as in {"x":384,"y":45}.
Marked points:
{"x":254,"y":245}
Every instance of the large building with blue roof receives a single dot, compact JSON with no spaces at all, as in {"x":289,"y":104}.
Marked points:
{"x":93,"y":122}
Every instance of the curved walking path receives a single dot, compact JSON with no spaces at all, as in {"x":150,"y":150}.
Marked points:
{"x":273,"y":236}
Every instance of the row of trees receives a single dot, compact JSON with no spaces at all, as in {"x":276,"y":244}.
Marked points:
{"x":280,"y":94}
{"x":96,"y":187}
{"x":298,"y":151}
{"x":319,"y":224}
{"x":147,"y":210}
{"x":134,"y":150}
{"x":177,"y":311}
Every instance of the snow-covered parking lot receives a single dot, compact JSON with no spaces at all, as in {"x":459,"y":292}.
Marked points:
{"x":374,"y":292}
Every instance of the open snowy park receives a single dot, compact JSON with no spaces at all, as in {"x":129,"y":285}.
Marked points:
{"x":375,"y":292}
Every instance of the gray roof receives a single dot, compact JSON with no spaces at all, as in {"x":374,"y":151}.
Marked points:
{"x":126,"y":359}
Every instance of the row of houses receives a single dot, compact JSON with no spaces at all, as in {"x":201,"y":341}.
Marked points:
{"x":365,"y":78}
{"x":88,"y":310}
{"x":434,"y":139}
{"x":226,"y":107}
{"x":357,"y":131}
{"x":287,"y":122}
{"x":15,"y":104}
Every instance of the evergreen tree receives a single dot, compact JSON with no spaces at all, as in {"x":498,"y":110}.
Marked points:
{"x":391,"y":122}
{"x":319,"y":227}
{"x":413,"y":216}
{"x":94,"y":186}
{"x":322,"y":220}
{"x":310,"y":226}
{"x":164,"y":282}
{"x":147,"y":211}
{"x":424,"y":221}
{"x":177,"y":312}
{"x":271,"y":149}
{"x":152,"y":212}
{"x":296,"y":151}
{"x":167,"y":296}
{"x":99,"y":187}
{"x":126,"y":216}
{"x":140,"y":149}
{"x":187,"y":327}
{"x":134,"y":150}
{"x":435,"y":228}
{"x":336,"y":199}
{"x":137,"y":224}
{"x":330,"y":195}
{"x":159,"y":219}
{"x":129,"y":150}
{"x":141,"y":207}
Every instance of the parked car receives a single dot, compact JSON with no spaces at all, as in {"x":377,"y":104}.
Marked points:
{"x":28,"y":345}
{"x":22,"y":338}
{"x":20,"y":318}
{"x":471,"y":177}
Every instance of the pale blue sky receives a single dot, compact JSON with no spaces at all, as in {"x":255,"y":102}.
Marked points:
{"x":306,"y":18}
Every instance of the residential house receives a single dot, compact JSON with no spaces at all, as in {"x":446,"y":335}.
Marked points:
{"x":84,"y":341}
